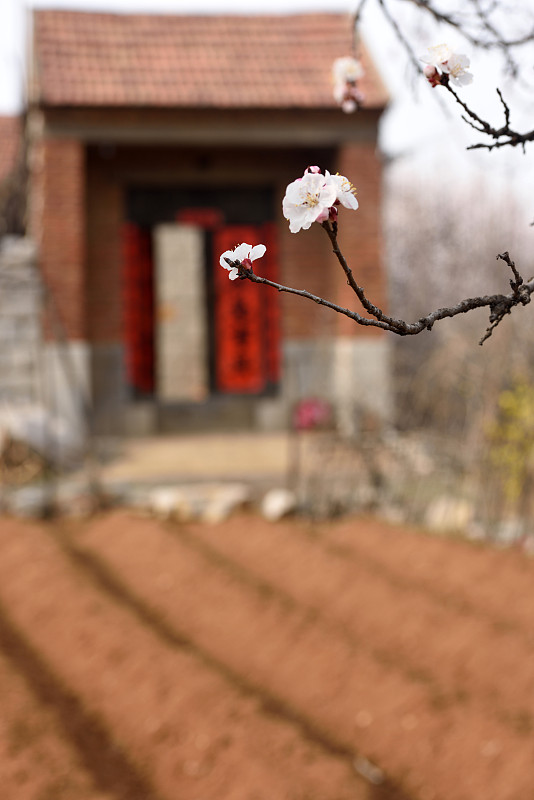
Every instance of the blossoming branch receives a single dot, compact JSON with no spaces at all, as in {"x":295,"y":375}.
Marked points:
{"x":443,"y":65}
{"x":315,"y":198}
{"x":447,"y":68}
{"x":243,"y":255}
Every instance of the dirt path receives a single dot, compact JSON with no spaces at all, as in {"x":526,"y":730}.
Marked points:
{"x":252,"y":661}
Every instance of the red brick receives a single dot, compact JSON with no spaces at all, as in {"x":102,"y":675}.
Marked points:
{"x":360,"y":235}
{"x":10,"y":144}
{"x":57,"y":222}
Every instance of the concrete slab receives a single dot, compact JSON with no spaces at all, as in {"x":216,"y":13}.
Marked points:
{"x":195,"y":457}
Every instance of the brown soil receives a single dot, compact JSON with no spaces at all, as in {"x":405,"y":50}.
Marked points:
{"x":142,"y":660}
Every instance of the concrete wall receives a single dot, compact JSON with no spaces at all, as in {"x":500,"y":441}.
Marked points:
{"x":181,"y":337}
{"x":351,"y":374}
{"x":35,"y":371}
{"x":20,"y":324}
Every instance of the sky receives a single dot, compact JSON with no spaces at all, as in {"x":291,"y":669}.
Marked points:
{"x":423,"y":123}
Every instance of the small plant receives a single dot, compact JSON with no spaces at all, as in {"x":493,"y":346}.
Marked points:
{"x":512,"y":442}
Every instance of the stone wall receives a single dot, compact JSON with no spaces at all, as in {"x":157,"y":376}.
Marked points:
{"x":20,"y":324}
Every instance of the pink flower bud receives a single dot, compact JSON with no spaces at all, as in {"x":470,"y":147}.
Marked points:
{"x":432,"y":75}
{"x":323,"y":216}
{"x":332,"y":215}
{"x":349,"y":105}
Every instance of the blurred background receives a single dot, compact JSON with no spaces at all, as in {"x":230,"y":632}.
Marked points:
{"x":250,"y":550}
{"x":129,"y":160}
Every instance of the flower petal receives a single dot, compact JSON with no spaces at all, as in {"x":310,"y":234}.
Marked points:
{"x":242,"y":251}
{"x":227,"y":254}
{"x":257,"y":251}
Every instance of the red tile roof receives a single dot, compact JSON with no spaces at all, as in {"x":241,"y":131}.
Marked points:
{"x":266,"y":61}
{"x":10,"y":141}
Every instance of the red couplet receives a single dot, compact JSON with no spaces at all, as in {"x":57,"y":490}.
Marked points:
{"x":246,"y":316}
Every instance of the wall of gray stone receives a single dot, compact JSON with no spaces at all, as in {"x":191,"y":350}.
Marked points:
{"x":21,"y":298}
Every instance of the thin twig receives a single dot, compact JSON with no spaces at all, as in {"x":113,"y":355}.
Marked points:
{"x":248,"y":274}
{"x":400,"y":36}
{"x":358,"y":290}
{"x":502,"y":137}
{"x":355,"y":22}
{"x":499,"y":304}
{"x":499,"y":40}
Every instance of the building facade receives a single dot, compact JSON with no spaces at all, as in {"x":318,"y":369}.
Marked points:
{"x":157,"y":142}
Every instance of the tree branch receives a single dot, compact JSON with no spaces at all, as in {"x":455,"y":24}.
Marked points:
{"x":497,"y":40}
{"x":499,"y":304}
{"x":376,"y":312}
{"x":502,"y":137}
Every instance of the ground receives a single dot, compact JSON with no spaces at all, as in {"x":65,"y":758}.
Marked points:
{"x":150,"y":660}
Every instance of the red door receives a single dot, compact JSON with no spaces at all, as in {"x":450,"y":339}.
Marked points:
{"x":138,"y":308}
{"x":246,"y":316}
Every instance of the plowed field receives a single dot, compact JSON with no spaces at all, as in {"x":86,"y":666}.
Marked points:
{"x":143,"y":660}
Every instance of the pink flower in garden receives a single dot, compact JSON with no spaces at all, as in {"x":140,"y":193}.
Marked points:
{"x":311,"y":413}
{"x":245,"y":254}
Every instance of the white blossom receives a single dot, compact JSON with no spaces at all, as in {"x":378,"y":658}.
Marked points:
{"x":346,"y":72}
{"x":437,"y":55}
{"x":307,"y":200}
{"x":245,"y":254}
{"x":441,"y":57}
{"x":345,"y":191}
{"x":456,"y":69}
{"x":347,"y":69}
{"x":314,"y":197}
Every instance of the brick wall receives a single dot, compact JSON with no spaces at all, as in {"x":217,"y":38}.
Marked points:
{"x":59,"y":216}
{"x":57,"y":223}
{"x":306,"y":263}
{"x":105,"y":215}
{"x":360,"y":235}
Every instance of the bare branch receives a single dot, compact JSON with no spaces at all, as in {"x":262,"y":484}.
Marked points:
{"x":502,"y":137}
{"x":492,"y":30}
{"x":248,"y":274}
{"x":499,"y":304}
{"x":497,"y":41}
{"x":376,"y":312}
{"x":358,"y":13}
{"x":400,"y":36}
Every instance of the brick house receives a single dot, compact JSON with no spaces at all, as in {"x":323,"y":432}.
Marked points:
{"x":157,"y":142}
